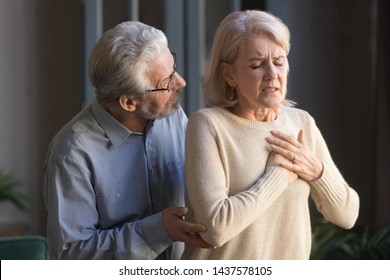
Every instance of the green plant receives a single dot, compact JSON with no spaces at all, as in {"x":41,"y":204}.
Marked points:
{"x":8,"y":183}
{"x":333,"y":242}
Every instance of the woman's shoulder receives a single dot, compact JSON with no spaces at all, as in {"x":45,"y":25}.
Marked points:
{"x":210,"y":116}
{"x":298,"y":116}
{"x":209,"y":112}
{"x":295,"y":112}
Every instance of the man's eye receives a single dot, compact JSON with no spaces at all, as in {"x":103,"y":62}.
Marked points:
{"x":165,"y":83}
{"x":256,"y":66}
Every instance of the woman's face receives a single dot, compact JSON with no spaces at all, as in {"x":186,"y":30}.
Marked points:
{"x":259,"y":74}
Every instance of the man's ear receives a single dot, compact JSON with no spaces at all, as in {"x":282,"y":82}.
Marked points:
{"x":226,"y":69}
{"x":128,"y":103}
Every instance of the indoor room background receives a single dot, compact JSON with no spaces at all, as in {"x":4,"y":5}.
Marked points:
{"x":339,"y":72}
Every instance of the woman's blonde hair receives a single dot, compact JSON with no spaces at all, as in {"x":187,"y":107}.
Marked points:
{"x":232,"y":34}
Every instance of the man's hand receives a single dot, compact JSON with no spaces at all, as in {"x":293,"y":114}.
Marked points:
{"x":181,"y":230}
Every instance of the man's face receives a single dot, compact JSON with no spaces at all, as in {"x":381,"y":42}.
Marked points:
{"x":157,"y":103}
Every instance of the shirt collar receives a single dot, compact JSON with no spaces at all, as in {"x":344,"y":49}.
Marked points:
{"x":115,"y":131}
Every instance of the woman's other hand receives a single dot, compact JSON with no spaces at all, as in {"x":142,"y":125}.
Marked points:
{"x":274,"y":159}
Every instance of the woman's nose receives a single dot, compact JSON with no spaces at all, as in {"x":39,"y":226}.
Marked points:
{"x":270,"y":72}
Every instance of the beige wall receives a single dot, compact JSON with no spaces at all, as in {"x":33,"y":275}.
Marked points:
{"x":40,"y":84}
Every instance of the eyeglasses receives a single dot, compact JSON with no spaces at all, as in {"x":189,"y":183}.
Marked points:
{"x":171,"y":78}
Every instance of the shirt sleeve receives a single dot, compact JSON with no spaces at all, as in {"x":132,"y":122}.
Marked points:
{"x":73,"y":221}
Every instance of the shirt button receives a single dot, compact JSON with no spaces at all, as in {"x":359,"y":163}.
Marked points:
{"x":117,"y":194}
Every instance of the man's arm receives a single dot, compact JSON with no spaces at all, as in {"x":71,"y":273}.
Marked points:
{"x":74,"y":231}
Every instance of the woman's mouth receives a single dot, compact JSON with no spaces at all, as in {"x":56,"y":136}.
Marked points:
{"x":269,"y":89}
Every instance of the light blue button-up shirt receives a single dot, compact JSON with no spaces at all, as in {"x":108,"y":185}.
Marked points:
{"x":105,"y":187}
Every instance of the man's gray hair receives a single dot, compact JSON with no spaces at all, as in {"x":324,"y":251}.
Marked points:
{"x":119,"y":61}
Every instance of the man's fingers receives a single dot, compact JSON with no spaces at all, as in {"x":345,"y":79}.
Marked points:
{"x":197,"y":241}
{"x":181,"y":230}
{"x":177,"y":211}
{"x":195,"y":228}
{"x":188,"y":227}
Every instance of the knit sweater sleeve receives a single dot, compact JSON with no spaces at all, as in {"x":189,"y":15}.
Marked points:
{"x":333,"y":197}
{"x":224,"y":215}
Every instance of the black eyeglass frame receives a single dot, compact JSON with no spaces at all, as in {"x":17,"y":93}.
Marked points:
{"x":169,"y":86}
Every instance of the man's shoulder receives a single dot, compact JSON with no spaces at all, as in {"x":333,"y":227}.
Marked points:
{"x":180,"y":114}
{"x":74,"y":133}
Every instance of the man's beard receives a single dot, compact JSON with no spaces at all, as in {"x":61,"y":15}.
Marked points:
{"x":149,"y":111}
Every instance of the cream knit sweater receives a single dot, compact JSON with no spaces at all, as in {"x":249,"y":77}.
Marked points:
{"x":251,"y":212}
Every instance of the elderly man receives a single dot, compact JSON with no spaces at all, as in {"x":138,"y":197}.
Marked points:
{"x":113,"y":182}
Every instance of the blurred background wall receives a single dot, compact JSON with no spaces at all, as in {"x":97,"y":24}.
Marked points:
{"x":339,"y":65}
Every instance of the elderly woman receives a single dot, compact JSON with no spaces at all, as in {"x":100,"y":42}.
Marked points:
{"x":252,"y":160}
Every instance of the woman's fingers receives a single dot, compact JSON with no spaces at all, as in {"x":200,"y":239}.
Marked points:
{"x":304,"y":163}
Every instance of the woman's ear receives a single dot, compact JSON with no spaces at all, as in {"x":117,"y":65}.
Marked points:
{"x":227,"y":74}
{"x":128,"y":103}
